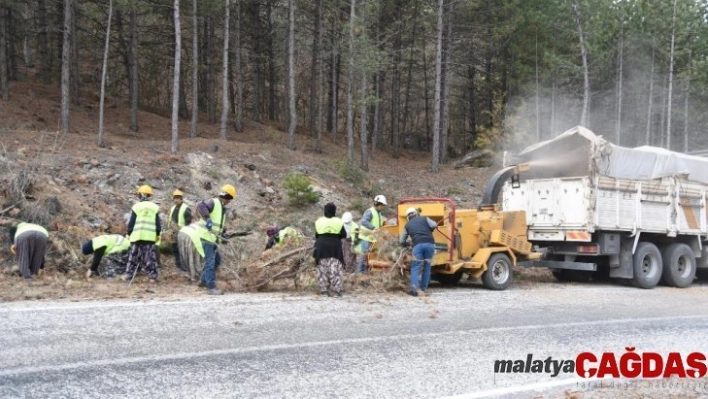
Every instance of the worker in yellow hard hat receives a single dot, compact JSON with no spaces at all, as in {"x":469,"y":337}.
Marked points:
{"x":180,"y":215}
{"x":213,"y":215}
{"x":143,"y":232}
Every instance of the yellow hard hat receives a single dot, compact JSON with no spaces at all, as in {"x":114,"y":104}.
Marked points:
{"x":145,"y":190}
{"x":227,"y":191}
{"x":178,"y":193}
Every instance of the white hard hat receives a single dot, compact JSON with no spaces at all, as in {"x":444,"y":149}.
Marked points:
{"x":380,"y":199}
{"x":411,"y":210}
{"x":347,"y":217}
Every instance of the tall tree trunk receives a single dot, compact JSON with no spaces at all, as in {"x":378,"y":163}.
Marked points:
{"x":647,"y":138}
{"x":435,"y":168}
{"x":291,"y":75}
{"x":332,"y":124}
{"x":257,"y":63}
{"x":445,"y":103}
{"x":211,"y":76}
{"x":4,"y":62}
{"x":103,"y":73}
{"x":320,"y":76}
{"x":396,"y":87}
{"x":686,"y":119}
{"x":59,"y":22}
{"x":272,"y":75}
{"x":43,"y":43}
{"x":175,"y":84}
{"x":584,"y":118}
{"x":314,"y":70}
{"x":363,"y":130}
{"x":74,"y":76}
{"x":66,"y":67}
{"x":350,"y":83}
{"x":409,"y":81}
{"x":670,"y":94}
{"x":195,"y":70}
{"x":134,"y":84}
{"x":472,"y":122}
{"x":538,"y":100}
{"x":225,"y":76}
{"x":554,"y":88}
{"x":620,"y":61}
{"x":238,"y":123}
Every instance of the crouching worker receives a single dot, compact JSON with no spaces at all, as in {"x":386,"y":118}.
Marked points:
{"x":29,"y":245}
{"x":329,"y":232}
{"x":191,"y":249}
{"x":115,"y":247}
{"x":279,"y":236}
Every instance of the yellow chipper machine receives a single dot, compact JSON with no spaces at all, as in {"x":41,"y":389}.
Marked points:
{"x":482,"y":243}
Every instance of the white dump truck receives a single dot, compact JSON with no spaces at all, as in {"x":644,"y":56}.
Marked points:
{"x":597,"y":210}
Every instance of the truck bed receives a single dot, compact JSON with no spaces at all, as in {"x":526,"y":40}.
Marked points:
{"x":571,"y":208}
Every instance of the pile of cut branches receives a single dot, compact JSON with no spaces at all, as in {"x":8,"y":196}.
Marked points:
{"x":290,"y":260}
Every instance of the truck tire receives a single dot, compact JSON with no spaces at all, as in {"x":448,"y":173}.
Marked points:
{"x":498,"y":274}
{"x":647,"y":265}
{"x":679,"y":265}
{"x":447,"y":280}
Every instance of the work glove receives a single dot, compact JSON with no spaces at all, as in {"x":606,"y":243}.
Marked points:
{"x":12,"y":249}
{"x":209,"y":224}
{"x":405,"y":244}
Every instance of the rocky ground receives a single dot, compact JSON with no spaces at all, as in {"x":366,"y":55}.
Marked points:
{"x":78,"y":189}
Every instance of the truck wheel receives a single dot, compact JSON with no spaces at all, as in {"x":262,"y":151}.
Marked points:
{"x":498,"y":274}
{"x":449,"y":279}
{"x":679,"y":265}
{"x":647,"y":265}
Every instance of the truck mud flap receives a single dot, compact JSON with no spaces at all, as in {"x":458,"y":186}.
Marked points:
{"x":553,"y":264}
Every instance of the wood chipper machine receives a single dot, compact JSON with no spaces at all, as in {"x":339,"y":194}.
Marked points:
{"x":482,"y":243}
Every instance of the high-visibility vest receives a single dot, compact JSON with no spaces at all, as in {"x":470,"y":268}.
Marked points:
{"x":113,"y":243}
{"x":331,"y":225}
{"x":375,"y":221}
{"x":180,"y":216}
{"x":145,"y":228}
{"x":196,"y":233}
{"x":217,"y":218}
{"x":24,"y":227}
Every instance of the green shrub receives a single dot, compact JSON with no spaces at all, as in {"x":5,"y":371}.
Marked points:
{"x":358,"y":205}
{"x":299,"y":191}
{"x":351,"y":173}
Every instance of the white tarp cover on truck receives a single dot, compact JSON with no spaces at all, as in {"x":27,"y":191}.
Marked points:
{"x":580,"y":152}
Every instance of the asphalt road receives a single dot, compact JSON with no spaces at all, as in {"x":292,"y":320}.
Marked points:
{"x":359,"y":346}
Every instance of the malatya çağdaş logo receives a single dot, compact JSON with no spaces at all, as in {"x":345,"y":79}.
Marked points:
{"x":629,"y":364}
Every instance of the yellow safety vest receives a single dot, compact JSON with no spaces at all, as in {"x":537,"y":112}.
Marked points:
{"x":331,"y":225}
{"x":145,"y":228}
{"x":25,"y":227}
{"x":375,"y":221}
{"x":217,"y":218}
{"x":113,"y":243}
{"x":180,"y":215}
{"x":196,"y":233}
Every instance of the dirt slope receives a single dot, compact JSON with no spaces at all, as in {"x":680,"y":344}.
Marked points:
{"x":80,"y":190}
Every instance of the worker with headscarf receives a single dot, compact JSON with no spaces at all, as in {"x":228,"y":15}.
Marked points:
{"x":29,"y":245}
{"x":143,"y":232}
{"x":329,"y":232}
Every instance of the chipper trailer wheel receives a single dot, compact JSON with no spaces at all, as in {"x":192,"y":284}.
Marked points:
{"x":498,"y":274}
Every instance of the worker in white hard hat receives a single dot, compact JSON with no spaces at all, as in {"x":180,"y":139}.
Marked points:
{"x":371,"y":221}
{"x":352,"y":230}
{"x":420,"y":229}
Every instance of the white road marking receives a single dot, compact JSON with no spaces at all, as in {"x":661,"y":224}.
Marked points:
{"x":233,"y":351}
